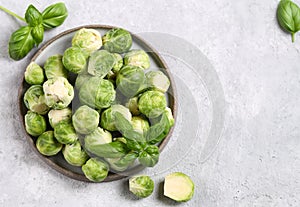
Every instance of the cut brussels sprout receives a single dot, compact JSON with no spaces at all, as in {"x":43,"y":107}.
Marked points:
{"x":117,"y":40}
{"x":74,"y":154}
{"x":142,"y":186}
{"x":57,"y":115}
{"x":85,"y":120}
{"x":152,"y":103}
{"x":54,"y":67}
{"x":47,"y":144}
{"x":34,"y":74}
{"x":88,"y":40}
{"x":74,"y":60}
{"x":65,"y":133}
{"x":157,"y":80}
{"x":35,"y":124}
{"x":139,"y":124}
{"x":129,"y":80}
{"x":97,"y":93}
{"x":132,"y":104}
{"x":108,"y":118}
{"x":95,"y":170}
{"x":34,"y":100}
{"x":137,"y":58}
{"x":58,"y":92}
{"x":100,"y":63}
{"x":179,"y":187}
{"x":81,"y":79}
{"x":118,"y":62}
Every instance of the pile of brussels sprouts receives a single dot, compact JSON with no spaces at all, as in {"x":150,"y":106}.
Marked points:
{"x":113,"y":115}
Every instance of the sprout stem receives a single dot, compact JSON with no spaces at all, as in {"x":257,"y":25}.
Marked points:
{"x":12,"y":13}
{"x":293,"y":37}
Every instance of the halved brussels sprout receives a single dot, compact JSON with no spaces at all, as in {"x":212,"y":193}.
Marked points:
{"x":35,"y":124}
{"x":74,"y":60}
{"x":157,"y":80}
{"x":118,"y":62}
{"x":47,"y":144}
{"x":81,"y":79}
{"x":74,"y":154}
{"x":100,"y":63}
{"x":97,"y":93}
{"x":85,"y":120}
{"x":132,"y":104}
{"x":34,"y":74}
{"x":34,"y":100}
{"x":54,"y":67}
{"x":57,"y":115}
{"x":142,"y":186}
{"x":139,"y":124}
{"x":65,"y":133}
{"x":95,"y":170}
{"x":152,"y":103}
{"x":88,"y":40}
{"x":108,"y":118}
{"x":137,"y":57}
{"x":97,"y":137}
{"x":117,"y":40}
{"x":129,"y":80}
{"x":58,"y":92}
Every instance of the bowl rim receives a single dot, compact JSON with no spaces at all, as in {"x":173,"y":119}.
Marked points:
{"x":112,"y":176}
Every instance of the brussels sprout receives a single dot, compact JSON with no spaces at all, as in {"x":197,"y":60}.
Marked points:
{"x":118,"y":62}
{"x":152,"y":103}
{"x":97,"y":137}
{"x":100,"y":63}
{"x":137,"y":58}
{"x":97,"y":93}
{"x":88,"y":40}
{"x":74,"y":60}
{"x":57,"y":115}
{"x":34,"y":99}
{"x":85,"y":120}
{"x":132,"y":104}
{"x":130,"y":79}
{"x":179,"y":187}
{"x":34,"y":74}
{"x":142,"y":186}
{"x":122,"y":163}
{"x":54,"y":67}
{"x":170,"y":117}
{"x":35,"y":124}
{"x":108,"y":118}
{"x":47,"y":144}
{"x":157,"y":80}
{"x":139,"y":124}
{"x":74,"y":154}
{"x":95,"y":170}
{"x":65,"y":133}
{"x":117,"y":40}
{"x":81,"y":79}
{"x":58,"y":92}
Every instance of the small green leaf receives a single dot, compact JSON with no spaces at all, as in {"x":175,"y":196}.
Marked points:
{"x":109,"y":150}
{"x":33,"y":17}
{"x":126,"y":160}
{"x":149,"y":157}
{"x":158,"y":132}
{"x":38,"y":34}
{"x":54,"y":15}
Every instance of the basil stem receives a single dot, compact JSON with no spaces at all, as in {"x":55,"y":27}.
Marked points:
{"x":12,"y":13}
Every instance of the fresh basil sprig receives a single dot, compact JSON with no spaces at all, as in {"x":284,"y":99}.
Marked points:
{"x":288,"y":16}
{"x":26,"y":37}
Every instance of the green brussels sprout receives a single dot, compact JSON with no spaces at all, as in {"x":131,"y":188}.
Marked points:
{"x":132,"y":104}
{"x":85,"y":120}
{"x":74,"y":60}
{"x":54,"y":67}
{"x":142,"y":186}
{"x":47,"y":144}
{"x":108,"y":118}
{"x":100,"y":63}
{"x":95,"y":170}
{"x":170,"y":117}
{"x":34,"y":100}
{"x":58,"y":92}
{"x":152,"y":103}
{"x":117,"y":40}
{"x":137,"y":57}
{"x":139,"y":124}
{"x":179,"y":187}
{"x":65,"y":133}
{"x":129,"y":80}
{"x":98,"y":136}
{"x":97,"y":93}
{"x":88,"y":40}
{"x":157,"y":80}
{"x":120,"y":164}
{"x":74,"y":154}
{"x":34,"y":74}
{"x":118,"y":62}
{"x":81,"y":79}
{"x":35,"y":124}
{"x":57,"y":115}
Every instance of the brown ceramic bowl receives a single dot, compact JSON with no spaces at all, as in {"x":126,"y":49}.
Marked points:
{"x":57,"y":45}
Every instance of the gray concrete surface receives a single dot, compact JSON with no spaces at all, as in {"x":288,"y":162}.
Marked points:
{"x":256,"y":162}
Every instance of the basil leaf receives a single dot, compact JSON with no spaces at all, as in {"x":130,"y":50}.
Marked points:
{"x":126,"y":160}
{"x":33,"y":17}
{"x":54,"y":15}
{"x":37,"y":33}
{"x":20,"y":43}
{"x":288,"y":16}
{"x":149,"y":157}
{"x":134,"y":145}
{"x":109,"y":150}
{"x":159,"y":131}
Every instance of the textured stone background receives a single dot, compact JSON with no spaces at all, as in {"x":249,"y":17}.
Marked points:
{"x":257,"y":160}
